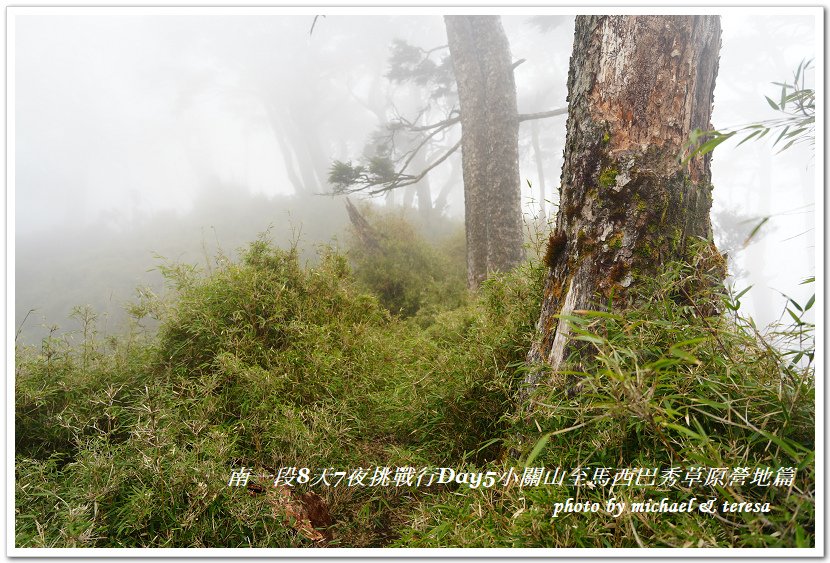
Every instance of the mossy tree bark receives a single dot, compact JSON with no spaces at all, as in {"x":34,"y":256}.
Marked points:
{"x":637,"y":87}
{"x":489,"y":148}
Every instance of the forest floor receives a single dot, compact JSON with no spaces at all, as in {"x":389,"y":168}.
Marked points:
{"x":370,"y":400}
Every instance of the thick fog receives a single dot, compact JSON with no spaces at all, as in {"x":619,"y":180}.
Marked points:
{"x":138,"y":137}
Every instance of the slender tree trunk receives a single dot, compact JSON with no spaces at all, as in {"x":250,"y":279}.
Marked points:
{"x":489,"y":148}
{"x":285,"y":150}
{"x":409,"y":197}
{"x":409,"y":192}
{"x":540,"y":168}
{"x":444,"y":193}
{"x":422,"y":189}
{"x":424,"y":199}
{"x":637,"y":87}
{"x":301,"y":146}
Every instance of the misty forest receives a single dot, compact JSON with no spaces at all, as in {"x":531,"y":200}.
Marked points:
{"x":322,"y":281}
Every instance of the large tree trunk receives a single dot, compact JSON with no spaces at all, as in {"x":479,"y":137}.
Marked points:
{"x":489,"y":147}
{"x":637,"y":87}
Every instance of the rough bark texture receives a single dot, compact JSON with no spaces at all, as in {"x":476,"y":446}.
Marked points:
{"x":637,"y":87}
{"x":364,"y":231}
{"x":489,"y":150}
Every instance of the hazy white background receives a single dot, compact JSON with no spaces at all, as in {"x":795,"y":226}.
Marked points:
{"x":124,"y":119}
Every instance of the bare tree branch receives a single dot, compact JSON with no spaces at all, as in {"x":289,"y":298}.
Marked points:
{"x":415,"y":179}
{"x":365,"y":181}
{"x":434,"y":49}
{"x":440,"y":125}
{"x":453,"y":120}
{"x":310,"y":31}
{"x":414,"y":151}
{"x":402,"y":181}
{"x":542,"y":114}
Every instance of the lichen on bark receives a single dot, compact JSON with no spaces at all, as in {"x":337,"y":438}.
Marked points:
{"x":637,"y":87}
{"x":489,"y":147}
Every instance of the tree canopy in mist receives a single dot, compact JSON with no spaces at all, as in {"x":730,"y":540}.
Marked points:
{"x":132,"y":122}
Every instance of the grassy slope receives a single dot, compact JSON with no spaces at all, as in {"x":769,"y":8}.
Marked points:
{"x":267,"y":364}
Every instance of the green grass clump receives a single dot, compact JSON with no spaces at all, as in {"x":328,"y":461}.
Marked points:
{"x":656,"y":385}
{"x":264,"y":362}
{"x":411,"y":273}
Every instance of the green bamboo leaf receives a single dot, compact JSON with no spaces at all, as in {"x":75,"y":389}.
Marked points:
{"x":795,"y":303}
{"x":537,"y":449}
{"x":781,"y":136}
{"x":540,"y":444}
{"x":590,"y":338}
{"x":755,"y":230}
{"x":788,"y":445}
{"x":748,"y":137}
{"x":799,"y":95}
{"x":788,"y":145}
{"x":711,"y":144}
{"x":708,"y":146}
{"x":601,"y":314}
{"x":732,"y":306}
{"x":683,"y":430}
{"x":797,"y":320}
{"x":772,"y":104}
{"x":710,"y":403}
{"x":662,"y":363}
{"x":691,"y":341}
{"x":683,"y":355}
